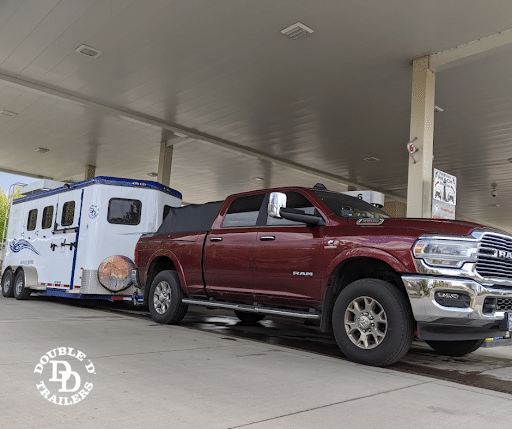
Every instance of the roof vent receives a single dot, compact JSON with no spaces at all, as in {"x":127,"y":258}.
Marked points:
{"x":8,"y":113}
{"x":320,"y":186}
{"x":87,"y":50}
{"x":297,"y":30}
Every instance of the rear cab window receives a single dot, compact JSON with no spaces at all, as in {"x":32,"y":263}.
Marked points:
{"x":243,"y":212}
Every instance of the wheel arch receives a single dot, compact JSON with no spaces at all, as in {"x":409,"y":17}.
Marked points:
{"x":161,"y":261}
{"x":350,"y":270}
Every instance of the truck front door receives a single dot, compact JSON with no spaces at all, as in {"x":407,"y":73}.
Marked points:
{"x":288,"y":259}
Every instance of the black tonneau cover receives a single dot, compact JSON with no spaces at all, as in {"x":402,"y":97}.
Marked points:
{"x":191,"y":218}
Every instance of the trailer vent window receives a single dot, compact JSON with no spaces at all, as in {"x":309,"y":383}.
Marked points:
{"x":46,"y":222}
{"x":32,"y":220}
{"x":124,"y":211}
{"x":68,"y":213}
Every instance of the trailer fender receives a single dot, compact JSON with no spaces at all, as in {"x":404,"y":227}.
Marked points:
{"x":30,"y":273}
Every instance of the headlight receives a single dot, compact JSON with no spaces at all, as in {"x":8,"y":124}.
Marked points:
{"x":445,"y":252}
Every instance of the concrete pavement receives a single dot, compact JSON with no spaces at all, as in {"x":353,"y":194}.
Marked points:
{"x":162,"y":376}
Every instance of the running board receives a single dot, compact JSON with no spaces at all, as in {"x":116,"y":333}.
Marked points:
{"x":252,"y":309}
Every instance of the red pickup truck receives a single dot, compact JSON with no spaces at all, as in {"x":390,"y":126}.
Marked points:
{"x":312,"y":254}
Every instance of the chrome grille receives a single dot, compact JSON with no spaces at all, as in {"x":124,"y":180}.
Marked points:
{"x":487,"y":264}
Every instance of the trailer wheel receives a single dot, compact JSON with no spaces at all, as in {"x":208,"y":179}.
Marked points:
{"x":372,"y":322}
{"x":20,"y":291}
{"x":7,"y":284}
{"x":249,"y":318}
{"x":455,"y":348}
{"x":165,"y":298}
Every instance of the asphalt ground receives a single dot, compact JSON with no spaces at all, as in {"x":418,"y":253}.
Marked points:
{"x":213,"y":371}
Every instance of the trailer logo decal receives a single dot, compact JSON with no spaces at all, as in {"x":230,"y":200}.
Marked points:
{"x":93,"y":212}
{"x":19,"y":245}
{"x":60,"y":376}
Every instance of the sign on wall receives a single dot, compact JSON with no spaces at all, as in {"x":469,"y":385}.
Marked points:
{"x":444,"y":195}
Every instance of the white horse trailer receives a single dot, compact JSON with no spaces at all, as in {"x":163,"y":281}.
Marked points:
{"x":78,"y":240}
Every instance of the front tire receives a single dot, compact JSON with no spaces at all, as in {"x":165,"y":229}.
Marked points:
{"x":455,"y":348}
{"x":8,"y":284}
{"x":20,"y":291}
{"x":165,"y":298}
{"x":372,"y":322}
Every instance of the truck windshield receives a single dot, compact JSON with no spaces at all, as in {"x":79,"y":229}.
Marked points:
{"x":348,"y":207}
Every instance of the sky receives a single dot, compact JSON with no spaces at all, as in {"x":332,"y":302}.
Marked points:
{"x":6,"y":180}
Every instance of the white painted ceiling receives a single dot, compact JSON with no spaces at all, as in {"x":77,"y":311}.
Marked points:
{"x":223,"y":69}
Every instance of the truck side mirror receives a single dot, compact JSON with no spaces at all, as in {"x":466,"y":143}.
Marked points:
{"x":276,"y":202}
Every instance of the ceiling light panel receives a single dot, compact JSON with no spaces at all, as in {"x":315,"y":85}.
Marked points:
{"x":88,"y":51}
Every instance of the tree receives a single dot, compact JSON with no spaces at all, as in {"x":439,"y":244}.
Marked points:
{"x":3,"y":209}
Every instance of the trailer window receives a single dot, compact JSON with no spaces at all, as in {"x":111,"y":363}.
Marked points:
{"x":46,"y":222}
{"x":68,"y":213}
{"x":243,"y":211}
{"x":32,"y":220}
{"x":124,"y":211}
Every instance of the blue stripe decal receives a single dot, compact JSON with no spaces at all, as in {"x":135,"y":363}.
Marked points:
{"x":63,"y":294}
{"x":77,"y":236}
{"x":104,"y":180}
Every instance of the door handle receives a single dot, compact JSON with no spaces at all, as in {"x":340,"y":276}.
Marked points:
{"x":267,"y":238}
{"x":215,"y":238}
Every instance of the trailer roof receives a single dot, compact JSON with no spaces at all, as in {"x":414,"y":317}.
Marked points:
{"x":104,"y":180}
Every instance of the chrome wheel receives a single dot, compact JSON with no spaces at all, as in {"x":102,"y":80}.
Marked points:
{"x":162,"y":297}
{"x":19,"y":285}
{"x":366,"y":322}
{"x":7,"y":285}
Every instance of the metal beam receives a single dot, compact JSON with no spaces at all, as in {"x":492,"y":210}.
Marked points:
{"x":184,"y":132}
{"x":468,"y":51}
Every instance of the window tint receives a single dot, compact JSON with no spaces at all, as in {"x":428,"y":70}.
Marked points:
{"x":124,"y":211}
{"x":167,"y":209}
{"x":46,"y":222}
{"x":68,"y":213}
{"x":345,"y":206}
{"x":243,"y":211}
{"x":32,"y":220}
{"x":294,"y":200}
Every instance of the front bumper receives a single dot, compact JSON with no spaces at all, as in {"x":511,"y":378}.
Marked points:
{"x":444,"y":323}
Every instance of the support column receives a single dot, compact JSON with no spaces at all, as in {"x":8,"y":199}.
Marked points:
{"x":419,"y":186}
{"x":267,"y":174}
{"x":90,"y":172}
{"x":164,"y":163}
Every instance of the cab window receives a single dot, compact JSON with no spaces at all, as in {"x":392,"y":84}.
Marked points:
{"x":243,"y":212}
{"x":294,"y":200}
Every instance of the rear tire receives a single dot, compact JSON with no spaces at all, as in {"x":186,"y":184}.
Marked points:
{"x":20,"y":291}
{"x":165,"y":298}
{"x":8,"y":284}
{"x":455,"y":348}
{"x":372,"y":322}
{"x":249,"y":318}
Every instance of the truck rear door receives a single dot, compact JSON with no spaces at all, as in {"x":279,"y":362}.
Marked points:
{"x":229,"y":250}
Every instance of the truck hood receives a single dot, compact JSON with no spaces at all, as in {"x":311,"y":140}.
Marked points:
{"x":417,"y":227}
